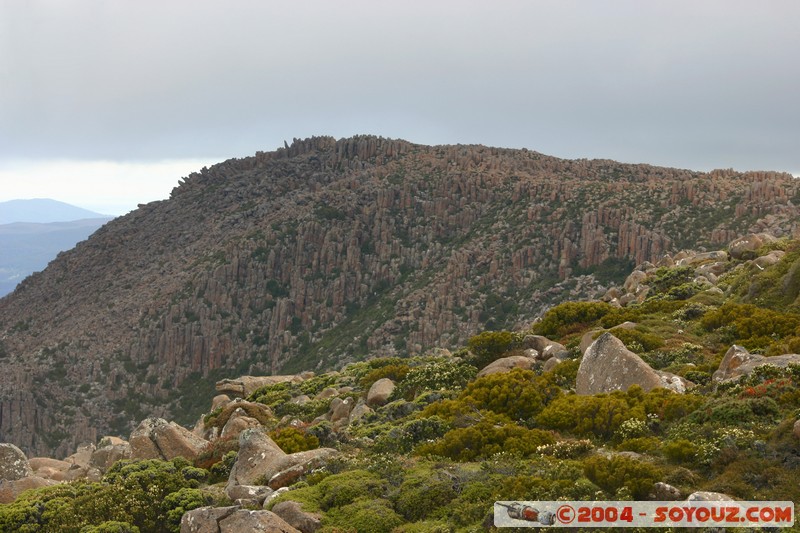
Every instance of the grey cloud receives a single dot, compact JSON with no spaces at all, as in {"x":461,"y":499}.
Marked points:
{"x":694,"y":84}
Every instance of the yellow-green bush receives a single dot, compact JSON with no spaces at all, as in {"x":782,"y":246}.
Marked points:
{"x":599,"y":415}
{"x":617,"y":472}
{"x":491,"y":345}
{"x":293,"y":440}
{"x":485,"y":439}
{"x":570,"y":317}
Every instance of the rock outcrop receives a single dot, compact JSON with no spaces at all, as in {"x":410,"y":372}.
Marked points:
{"x":507,"y":364}
{"x":155,"y":438}
{"x":13,"y":463}
{"x":298,"y":258}
{"x":738,"y":362}
{"x":380,"y":391}
{"x":294,"y":515}
{"x":608,"y":365}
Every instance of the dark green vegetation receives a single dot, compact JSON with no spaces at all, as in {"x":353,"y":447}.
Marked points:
{"x":448,"y":444}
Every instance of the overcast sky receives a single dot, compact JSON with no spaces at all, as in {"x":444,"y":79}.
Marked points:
{"x":133,"y":95}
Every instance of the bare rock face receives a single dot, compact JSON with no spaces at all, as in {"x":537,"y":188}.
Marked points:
{"x":260,"y":459}
{"x":380,"y":391}
{"x":608,"y":365}
{"x":739,"y":362}
{"x":254,"y":521}
{"x":10,"y":489}
{"x":155,"y":438}
{"x":244,"y":386}
{"x":13,"y":463}
{"x":507,"y":364}
{"x":294,"y":515}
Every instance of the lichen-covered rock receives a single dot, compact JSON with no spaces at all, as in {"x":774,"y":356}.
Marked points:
{"x":608,"y":365}
{"x":507,"y":364}
{"x":237,"y":423}
{"x":13,"y":463}
{"x":294,"y":515}
{"x":359,"y":411}
{"x":544,"y":347}
{"x":634,"y":281}
{"x":257,"y":493}
{"x":82,"y":456}
{"x":155,"y":438}
{"x":772,"y":258}
{"x":380,"y":391}
{"x":664,"y":492}
{"x":739,"y":362}
{"x":205,"y":519}
{"x":705,"y":496}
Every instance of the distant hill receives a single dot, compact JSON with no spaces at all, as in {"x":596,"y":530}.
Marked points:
{"x":331,"y":251}
{"x":33,"y":232}
{"x":42,"y":210}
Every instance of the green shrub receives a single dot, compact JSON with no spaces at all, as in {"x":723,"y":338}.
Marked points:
{"x":583,"y":416}
{"x":365,"y":515}
{"x":342,"y":489}
{"x":667,"y":278}
{"x":293,"y":440}
{"x":403,"y":438}
{"x":570,"y":317}
{"x":111,"y":526}
{"x":680,"y":451}
{"x":176,"y":504}
{"x":485,"y":439}
{"x":491,"y":345}
{"x":518,"y":394}
{"x":420,"y":495}
{"x":633,"y":337}
{"x":443,"y":374}
{"x":617,"y":472}
{"x":394,"y":372}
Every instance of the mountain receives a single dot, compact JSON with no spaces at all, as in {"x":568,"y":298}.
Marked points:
{"x":330,"y":251}
{"x":27,"y":247}
{"x":42,"y":210}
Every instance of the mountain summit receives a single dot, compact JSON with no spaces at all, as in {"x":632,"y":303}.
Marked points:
{"x":330,"y":251}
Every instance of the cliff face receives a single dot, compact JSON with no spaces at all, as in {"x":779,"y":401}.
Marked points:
{"x":327,"y":251}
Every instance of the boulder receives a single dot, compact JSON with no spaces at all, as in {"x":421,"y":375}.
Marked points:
{"x":104,"y":457}
{"x":11,"y":488}
{"x":155,"y":438}
{"x":550,"y":364}
{"x":237,"y":423}
{"x":704,"y":496}
{"x":244,"y":386}
{"x":260,"y":458}
{"x":205,"y":519}
{"x":256,"y":493}
{"x":49,"y":468}
{"x":507,"y":364}
{"x":13,"y":463}
{"x":220,"y":401}
{"x":380,"y":391}
{"x":287,"y":477}
{"x":294,"y":515}
{"x":796,"y":429}
{"x":328,"y":392}
{"x":82,"y":456}
{"x":739,"y":362}
{"x":772,"y":258}
{"x":254,"y":521}
{"x":339,"y":412}
{"x":664,"y":492}
{"x":359,"y":411}
{"x":747,"y":247}
{"x":608,"y":365}
{"x":634,"y":281}
{"x":89,"y":473}
{"x":545,"y":347}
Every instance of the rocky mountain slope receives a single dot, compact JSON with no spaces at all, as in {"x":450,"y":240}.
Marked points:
{"x":327,"y":251}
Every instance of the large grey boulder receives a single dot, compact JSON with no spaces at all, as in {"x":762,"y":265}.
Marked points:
{"x":155,"y":438}
{"x":380,"y":391}
{"x":739,"y":362}
{"x":13,"y":463}
{"x":544,"y":347}
{"x":106,"y":455}
{"x":608,"y":365}
{"x":747,"y":247}
{"x":260,"y":459}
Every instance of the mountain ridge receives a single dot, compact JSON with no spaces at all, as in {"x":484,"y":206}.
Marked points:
{"x":330,"y":251}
